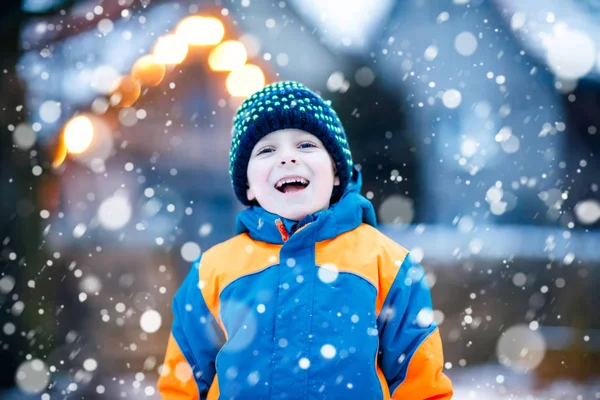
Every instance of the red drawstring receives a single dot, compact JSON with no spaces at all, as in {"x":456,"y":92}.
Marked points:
{"x":281,"y":228}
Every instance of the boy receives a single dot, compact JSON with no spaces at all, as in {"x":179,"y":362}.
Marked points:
{"x":309,"y":300}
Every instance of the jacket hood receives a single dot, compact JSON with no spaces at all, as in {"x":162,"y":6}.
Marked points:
{"x":348,"y":213}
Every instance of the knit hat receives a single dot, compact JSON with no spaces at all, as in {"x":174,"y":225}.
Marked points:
{"x":286,"y":105}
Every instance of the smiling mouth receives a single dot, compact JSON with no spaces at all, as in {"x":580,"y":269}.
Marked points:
{"x":291,"y":185}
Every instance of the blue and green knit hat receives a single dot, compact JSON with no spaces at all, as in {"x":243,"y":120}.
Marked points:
{"x":286,"y":105}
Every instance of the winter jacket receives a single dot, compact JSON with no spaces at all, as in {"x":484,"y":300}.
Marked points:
{"x":328,"y":308}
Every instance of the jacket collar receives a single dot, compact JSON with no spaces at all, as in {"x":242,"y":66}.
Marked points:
{"x":345,"y":215}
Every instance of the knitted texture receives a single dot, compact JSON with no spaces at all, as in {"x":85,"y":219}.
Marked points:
{"x":286,"y":105}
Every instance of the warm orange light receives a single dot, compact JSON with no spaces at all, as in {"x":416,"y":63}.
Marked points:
{"x":126,"y":92}
{"x":244,"y":81}
{"x":78,"y":134}
{"x":201,"y":31}
{"x":170,"y":49}
{"x":228,"y":56}
{"x":147,"y":71}
{"x":60,"y":153}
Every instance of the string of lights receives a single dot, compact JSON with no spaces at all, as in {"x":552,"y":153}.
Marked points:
{"x":226,"y":56}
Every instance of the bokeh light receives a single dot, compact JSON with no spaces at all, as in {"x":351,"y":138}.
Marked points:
{"x":101,"y":146}
{"x":150,"y":321}
{"x":199,"y":31}
{"x":148,"y":71}
{"x":190,"y":251}
{"x":465,"y":43}
{"x":50,"y":111}
{"x":32,"y":376}
{"x":228,"y":56}
{"x":114,"y":212}
{"x":170,"y":49}
{"x":245,"y":81}
{"x":588,"y":211}
{"x":520,"y":348}
{"x":125,"y":92}
{"x":78,"y":134}
{"x":328,"y":273}
{"x":571,"y":54}
{"x":451,"y":98}
{"x":397,"y":209}
{"x":60,"y":153}
{"x":328,"y":351}
{"x":24,"y":136}
{"x":183,"y":372}
{"x":7,"y":283}
{"x":90,"y":364}
{"x":104,"y":78}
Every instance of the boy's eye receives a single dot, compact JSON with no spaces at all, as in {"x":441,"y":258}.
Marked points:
{"x":265,"y":150}
{"x":306,"y":145}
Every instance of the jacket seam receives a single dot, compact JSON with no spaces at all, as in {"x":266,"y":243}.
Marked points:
{"x":396,"y":277}
{"x":375,"y":361}
{"x":274,"y":333}
{"x":411,"y":358}
{"x":195,"y":363}
{"x":359,"y":276}
{"x":244,"y":276}
{"x":312,"y":309}
{"x":220,"y":309}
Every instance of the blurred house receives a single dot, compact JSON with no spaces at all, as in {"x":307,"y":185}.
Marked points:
{"x":474,"y":123}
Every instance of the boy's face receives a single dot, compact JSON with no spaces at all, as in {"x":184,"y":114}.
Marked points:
{"x":291,"y":174}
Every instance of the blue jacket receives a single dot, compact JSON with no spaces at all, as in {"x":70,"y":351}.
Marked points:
{"x":327,"y":308}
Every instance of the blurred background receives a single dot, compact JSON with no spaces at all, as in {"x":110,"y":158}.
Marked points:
{"x":475,"y":123}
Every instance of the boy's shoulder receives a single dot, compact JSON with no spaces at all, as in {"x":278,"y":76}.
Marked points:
{"x":238,"y":253}
{"x":371,"y":236}
{"x":229,"y":244}
{"x":366,"y":246}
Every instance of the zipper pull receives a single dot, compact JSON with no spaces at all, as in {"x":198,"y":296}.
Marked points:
{"x":281,"y":228}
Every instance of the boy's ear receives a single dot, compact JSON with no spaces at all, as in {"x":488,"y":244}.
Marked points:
{"x":336,"y":179}
{"x":250,"y":194}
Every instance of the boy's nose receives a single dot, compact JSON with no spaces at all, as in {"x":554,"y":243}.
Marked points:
{"x":288,"y":160}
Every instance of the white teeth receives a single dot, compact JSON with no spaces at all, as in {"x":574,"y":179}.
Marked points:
{"x":291,"y":180}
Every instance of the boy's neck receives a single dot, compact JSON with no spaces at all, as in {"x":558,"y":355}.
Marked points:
{"x":306,"y":220}
{"x":293,"y":226}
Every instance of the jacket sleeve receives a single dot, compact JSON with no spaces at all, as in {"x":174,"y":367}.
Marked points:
{"x":196,"y":338}
{"x":410,"y":354}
